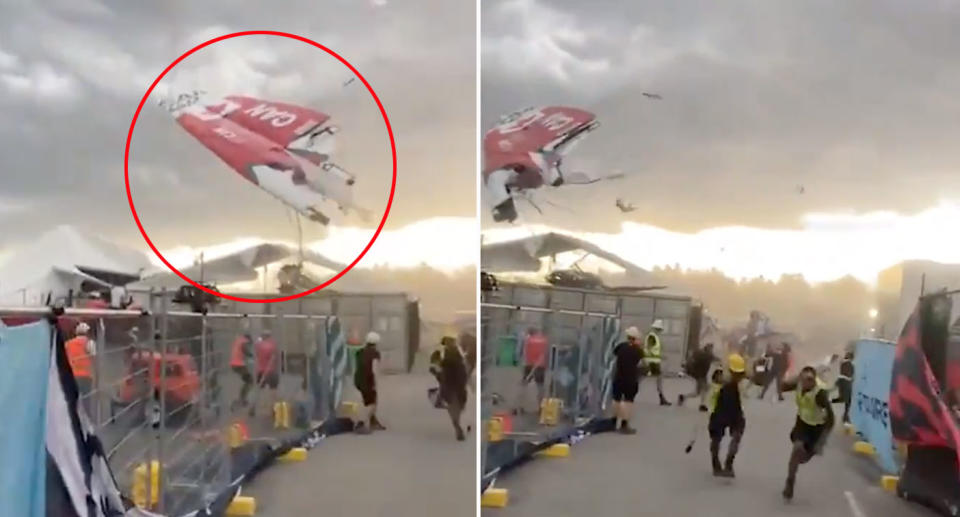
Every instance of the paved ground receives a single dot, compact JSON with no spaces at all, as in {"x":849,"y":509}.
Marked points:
{"x":649,"y":474}
{"x":414,"y":468}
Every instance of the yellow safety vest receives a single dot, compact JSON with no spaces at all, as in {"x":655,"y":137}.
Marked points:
{"x":652,"y":352}
{"x":807,"y":409}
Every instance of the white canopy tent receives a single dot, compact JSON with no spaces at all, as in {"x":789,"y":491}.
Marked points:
{"x":62,"y":259}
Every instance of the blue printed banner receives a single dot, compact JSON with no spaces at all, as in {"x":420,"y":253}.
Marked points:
{"x":870,"y":410}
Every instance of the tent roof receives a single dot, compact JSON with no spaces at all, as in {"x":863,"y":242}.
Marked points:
{"x":57,"y":257}
{"x":525,"y":254}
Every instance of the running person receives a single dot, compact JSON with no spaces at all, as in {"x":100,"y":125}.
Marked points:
{"x":267,"y":362}
{"x":365,"y":380}
{"x":726,"y":414}
{"x":845,"y":385}
{"x":626,"y":379}
{"x":699,"y":369}
{"x":652,"y":357}
{"x":450,"y":368}
{"x":814,"y":422}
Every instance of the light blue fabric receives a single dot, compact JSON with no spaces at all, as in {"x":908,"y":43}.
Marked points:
{"x":24,"y":365}
{"x":870,"y":404}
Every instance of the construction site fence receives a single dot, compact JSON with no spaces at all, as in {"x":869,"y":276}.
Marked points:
{"x":520,"y":404}
{"x":172,"y":393}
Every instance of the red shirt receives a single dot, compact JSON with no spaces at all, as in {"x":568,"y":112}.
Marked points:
{"x":266,"y":353}
{"x":535,"y":350}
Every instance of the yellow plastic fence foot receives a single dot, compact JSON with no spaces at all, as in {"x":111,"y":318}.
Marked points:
{"x":849,"y":429}
{"x":494,"y":498}
{"x":295,"y":454}
{"x":558,"y":450}
{"x":889,"y":483}
{"x":242,"y":506}
{"x":348,"y":410}
{"x":864,"y":448}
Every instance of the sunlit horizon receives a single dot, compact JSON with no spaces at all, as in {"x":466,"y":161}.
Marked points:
{"x":827,"y":247}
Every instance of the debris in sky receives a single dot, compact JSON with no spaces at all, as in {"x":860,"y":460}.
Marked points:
{"x":625,"y":207}
{"x":801,"y":189}
{"x":655,"y":96}
{"x":348,"y":81}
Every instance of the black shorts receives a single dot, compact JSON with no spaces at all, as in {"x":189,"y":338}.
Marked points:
{"x":720,"y":425}
{"x":369,"y":395}
{"x":268,"y":379}
{"x":845,"y":389}
{"x":625,"y":390}
{"x":454,"y":395}
{"x":244,"y":374}
{"x":539,"y":374}
{"x":653,"y":369}
{"x":807,"y":434}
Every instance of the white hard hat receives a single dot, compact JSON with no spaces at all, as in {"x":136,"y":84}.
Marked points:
{"x":82,"y":328}
{"x":657,"y":325}
{"x":373,"y":338}
{"x":633,"y":332}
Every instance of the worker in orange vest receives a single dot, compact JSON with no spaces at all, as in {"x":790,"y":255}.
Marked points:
{"x":241,"y":361}
{"x":80,"y":352}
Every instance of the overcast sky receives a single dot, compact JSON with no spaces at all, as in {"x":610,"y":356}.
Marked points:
{"x":856,"y":101}
{"x":73,"y":71}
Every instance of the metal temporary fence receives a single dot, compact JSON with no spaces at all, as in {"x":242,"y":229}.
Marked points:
{"x":173,"y":393}
{"x":577,"y":374}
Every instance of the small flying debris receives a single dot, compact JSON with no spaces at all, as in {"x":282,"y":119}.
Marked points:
{"x":801,"y":189}
{"x":625,"y":207}
{"x":348,"y":81}
{"x":655,"y":96}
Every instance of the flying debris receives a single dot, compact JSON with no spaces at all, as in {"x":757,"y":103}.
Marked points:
{"x":655,"y":96}
{"x":625,"y":207}
{"x":349,"y":81}
{"x":801,"y":189}
{"x":525,"y":150}
{"x":283,"y":149}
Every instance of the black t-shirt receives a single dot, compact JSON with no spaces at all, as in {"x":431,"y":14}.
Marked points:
{"x":453,"y":369}
{"x":846,"y":369}
{"x":702,"y":360}
{"x":627,"y":368}
{"x":364,"y":375}
{"x":729,"y":405}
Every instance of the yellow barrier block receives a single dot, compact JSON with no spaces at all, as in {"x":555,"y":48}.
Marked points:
{"x":140,"y":488}
{"x":495,"y":429}
{"x":234,"y":436}
{"x":849,"y":429}
{"x":295,"y":454}
{"x":281,"y":415}
{"x":889,"y":483}
{"x":348,"y":410}
{"x":495,"y":498}
{"x":550,"y":411}
{"x":864,"y":448}
{"x":557,"y":450}
{"x":242,"y":506}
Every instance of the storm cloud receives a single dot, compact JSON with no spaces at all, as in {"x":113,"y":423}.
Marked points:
{"x":770,"y":110}
{"x":73,"y":72}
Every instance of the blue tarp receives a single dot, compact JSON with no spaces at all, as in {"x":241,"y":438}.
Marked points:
{"x":870,"y":405}
{"x":24,"y":368}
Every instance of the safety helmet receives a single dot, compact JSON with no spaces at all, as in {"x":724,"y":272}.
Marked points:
{"x":82,"y":328}
{"x":633,"y":332}
{"x":657,"y":325}
{"x":373,"y":338}
{"x":736,"y":363}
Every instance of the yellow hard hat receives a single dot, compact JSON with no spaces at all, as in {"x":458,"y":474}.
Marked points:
{"x":736,"y":363}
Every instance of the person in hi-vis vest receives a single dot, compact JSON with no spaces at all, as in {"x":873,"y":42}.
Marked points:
{"x":80,"y":351}
{"x":652,"y":357}
{"x":813,"y":425}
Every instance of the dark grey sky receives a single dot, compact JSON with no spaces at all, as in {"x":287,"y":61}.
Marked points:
{"x":856,"y":101}
{"x":72,"y":73}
